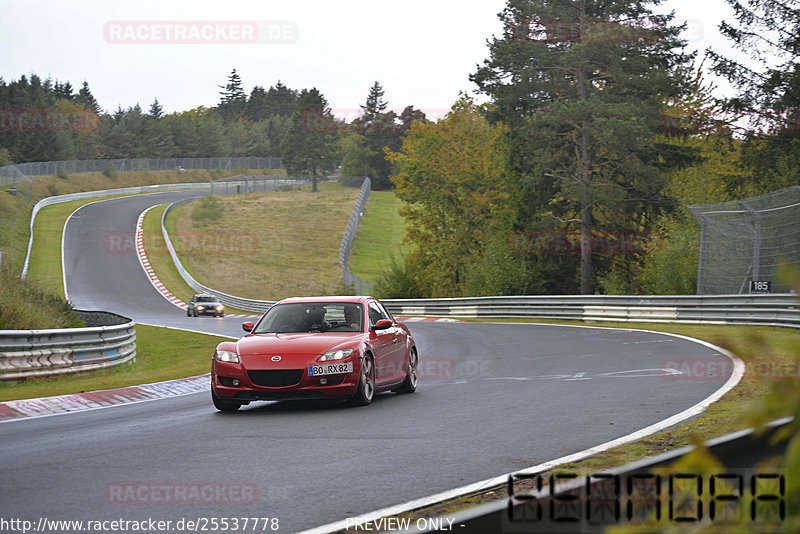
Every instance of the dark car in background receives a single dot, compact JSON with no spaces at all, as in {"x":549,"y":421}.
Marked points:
{"x":202,"y":304}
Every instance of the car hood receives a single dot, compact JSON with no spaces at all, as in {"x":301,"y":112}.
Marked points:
{"x":300,"y":343}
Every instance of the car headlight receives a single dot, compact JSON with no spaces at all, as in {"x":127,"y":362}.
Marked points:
{"x":200,"y":308}
{"x":227,"y":356}
{"x":339,"y":354}
{"x":220,"y":307}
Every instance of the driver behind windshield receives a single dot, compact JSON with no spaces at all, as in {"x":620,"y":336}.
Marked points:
{"x":297,"y":320}
{"x":352,"y":317}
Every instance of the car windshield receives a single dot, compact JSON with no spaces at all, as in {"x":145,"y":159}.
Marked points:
{"x":206,"y":299}
{"x":312,"y":317}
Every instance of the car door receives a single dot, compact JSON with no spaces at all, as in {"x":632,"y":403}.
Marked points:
{"x":389,"y":345}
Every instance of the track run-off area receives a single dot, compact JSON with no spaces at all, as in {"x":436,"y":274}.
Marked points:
{"x":492,"y":399}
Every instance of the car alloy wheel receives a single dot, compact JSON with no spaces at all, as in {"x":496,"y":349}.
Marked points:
{"x":366,"y":384}
{"x":409,"y":385}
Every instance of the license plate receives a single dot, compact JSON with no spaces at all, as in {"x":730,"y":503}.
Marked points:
{"x":330,"y":369}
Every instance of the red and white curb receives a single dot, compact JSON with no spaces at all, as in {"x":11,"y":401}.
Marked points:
{"x":151,"y":274}
{"x":93,"y":400}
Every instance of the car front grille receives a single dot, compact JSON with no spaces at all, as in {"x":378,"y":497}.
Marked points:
{"x":276,"y":378}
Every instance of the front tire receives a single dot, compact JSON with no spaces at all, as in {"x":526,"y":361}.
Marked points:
{"x":225,"y":405}
{"x":409,"y":385}
{"x":366,"y":383}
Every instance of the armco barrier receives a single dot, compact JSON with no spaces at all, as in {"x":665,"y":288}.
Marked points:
{"x":767,"y":310}
{"x":111,"y":340}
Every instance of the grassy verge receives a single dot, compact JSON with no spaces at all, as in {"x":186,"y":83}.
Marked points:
{"x":161,"y":354}
{"x":15,"y":216}
{"x":379,"y":237}
{"x":45,"y":262}
{"x":156,"y":249}
{"x":266,"y":245}
{"x":752,"y":344}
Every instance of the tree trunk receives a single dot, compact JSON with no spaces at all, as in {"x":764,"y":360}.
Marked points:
{"x":585,"y":177}
{"x":314,"y":180}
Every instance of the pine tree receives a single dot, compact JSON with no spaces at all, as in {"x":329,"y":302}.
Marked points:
{"x":87,"y":99}
{"x":281,"y":101}
{"x":156,"y":110}
{"x":768,"y":31}
{"x":233,"y":99}
{"x":582,"y":85}
{"x":768,"y":89}
{"x":375,"y":104}
{"x":257,"y":105}
{"x":309,"y":146}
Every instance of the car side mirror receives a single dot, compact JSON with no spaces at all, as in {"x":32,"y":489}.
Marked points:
{"x":382,"y":324}
{"x":247,"y":326}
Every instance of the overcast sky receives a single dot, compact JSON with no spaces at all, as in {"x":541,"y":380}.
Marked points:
{"x":421,"y":51}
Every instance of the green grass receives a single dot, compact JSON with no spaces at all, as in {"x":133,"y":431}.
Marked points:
{"x":156,"y":249}
{"x":15,"y":216}
{"x":161,"y":354}
{"x":267,"y":246}
{"x":45,"y":261}
{"x":379,"y":237}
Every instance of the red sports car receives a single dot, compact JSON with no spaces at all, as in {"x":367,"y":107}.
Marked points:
{"x":315,"y":347}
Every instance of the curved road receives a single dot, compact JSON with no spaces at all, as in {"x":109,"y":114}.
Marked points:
{"x":493,"y":398}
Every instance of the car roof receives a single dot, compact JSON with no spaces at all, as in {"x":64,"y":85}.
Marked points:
{"x":344,"y":298}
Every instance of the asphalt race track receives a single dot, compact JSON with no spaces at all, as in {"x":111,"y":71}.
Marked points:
{"x":492,"y":399}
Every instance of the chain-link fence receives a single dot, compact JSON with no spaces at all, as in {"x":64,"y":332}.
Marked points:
{"x":9,"y":173}
{"x":359,"y":285}
{"x":259,"y":183}
{"x":19,"y":185}
{"x":742,"y":243}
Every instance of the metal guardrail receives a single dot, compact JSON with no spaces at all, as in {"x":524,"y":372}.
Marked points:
{"x":360,"y":285}
{"x":34,"y":353}
{"x":766,"y":310}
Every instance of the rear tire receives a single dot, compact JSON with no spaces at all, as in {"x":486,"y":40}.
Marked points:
{"x":366,"y":383}
{"x":409,"y":385}
{"x":225,"y":405}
